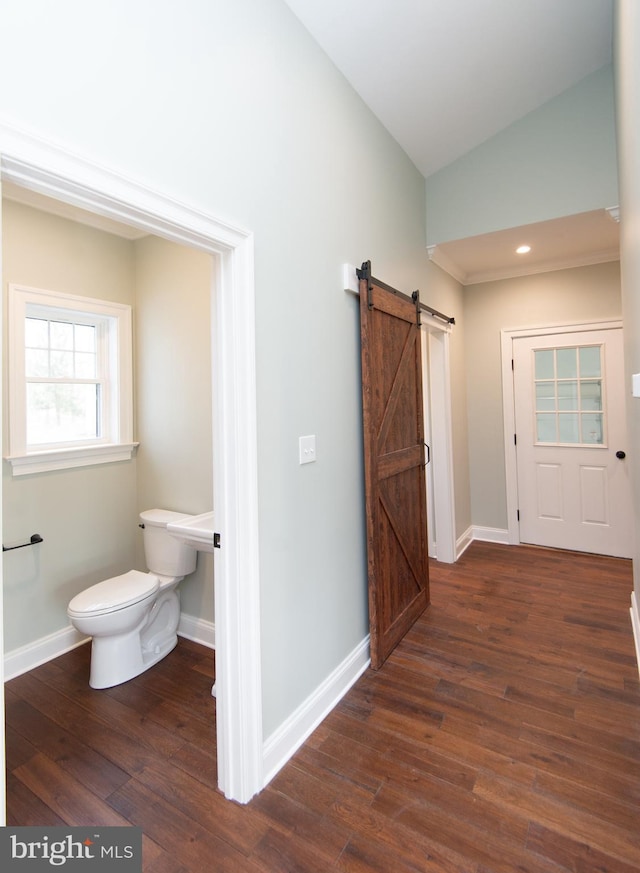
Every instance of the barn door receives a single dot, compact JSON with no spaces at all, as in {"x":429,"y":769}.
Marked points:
{"x":394,"y":450}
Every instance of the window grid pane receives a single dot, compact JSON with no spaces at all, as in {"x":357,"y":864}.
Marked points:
{"x":70,"y":349}
{"x":63,"y":390}
{"x":569,"y":396}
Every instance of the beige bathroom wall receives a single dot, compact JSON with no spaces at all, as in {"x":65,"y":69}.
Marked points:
{"x":86,"y":515}
{"x":172,"y":329}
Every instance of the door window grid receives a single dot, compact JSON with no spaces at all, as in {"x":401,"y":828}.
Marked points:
{"x":569,"y":403}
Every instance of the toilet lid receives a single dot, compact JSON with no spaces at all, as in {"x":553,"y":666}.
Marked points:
{"x":114,"y":593}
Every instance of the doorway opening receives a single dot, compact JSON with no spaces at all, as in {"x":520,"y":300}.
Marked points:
{"x":48,"y":170}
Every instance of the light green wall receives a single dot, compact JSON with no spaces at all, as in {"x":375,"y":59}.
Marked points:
{"x":172,"y":328}
{"x":558,"y":160}
{"x":86,"y":516}
{"x":562,"y":297}
{"x":230,"y":106}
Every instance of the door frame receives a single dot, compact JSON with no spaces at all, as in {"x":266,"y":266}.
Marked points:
{"x":436,"y":386}
{"x":507,"y":337}
{"x":436,"y":389}
{"x":55,"y":172}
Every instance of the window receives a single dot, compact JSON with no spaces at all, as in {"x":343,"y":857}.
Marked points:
{"x":569,"y":396}
{"x":70,"y":381}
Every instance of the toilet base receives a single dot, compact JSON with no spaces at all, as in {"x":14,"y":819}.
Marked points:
{"x":116,"y":660}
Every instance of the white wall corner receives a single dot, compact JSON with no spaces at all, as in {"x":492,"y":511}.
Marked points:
{"x":635,"y":623}
{"x":287,"y":739}
{"x":350,"y":279}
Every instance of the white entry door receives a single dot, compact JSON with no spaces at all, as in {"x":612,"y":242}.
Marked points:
{"x":571,"y":442}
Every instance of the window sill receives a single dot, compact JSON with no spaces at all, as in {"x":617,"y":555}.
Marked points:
{"x":64,"y":459}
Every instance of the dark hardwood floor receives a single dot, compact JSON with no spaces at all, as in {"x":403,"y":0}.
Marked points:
{"x":502,"y":735}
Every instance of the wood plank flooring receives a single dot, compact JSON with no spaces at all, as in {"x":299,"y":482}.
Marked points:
{"x":502,"y":735}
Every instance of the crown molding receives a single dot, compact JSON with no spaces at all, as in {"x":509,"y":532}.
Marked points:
{"x":544,"y":267}
{"x":449,"y":266}
{"x":438,"y":257}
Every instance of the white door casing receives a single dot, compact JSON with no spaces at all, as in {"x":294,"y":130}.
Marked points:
{"x":438,"y":434}
{"x":50,"y":170}
{"x":568,"y":395}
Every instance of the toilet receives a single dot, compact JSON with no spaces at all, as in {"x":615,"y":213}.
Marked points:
{"x":133,"y":619}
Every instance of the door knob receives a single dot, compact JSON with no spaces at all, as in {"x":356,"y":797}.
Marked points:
{"x":621,"y":455}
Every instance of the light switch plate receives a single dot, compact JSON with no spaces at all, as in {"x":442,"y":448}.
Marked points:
{"x":307,"y":449}
{"x":635,"y":385}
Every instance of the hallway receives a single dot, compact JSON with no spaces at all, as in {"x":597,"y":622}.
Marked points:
{"x":502,"y":734}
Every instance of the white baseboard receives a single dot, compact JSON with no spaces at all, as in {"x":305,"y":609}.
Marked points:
{"x":288,"y":738}
{"x":491,"y":535}
{"x":34,"y":654}
{"x":198,"y":630}
{"x":484,"y":534}
{"x":463,"y":542}
{"x":635,"y":623}
{"x":25,"y":658}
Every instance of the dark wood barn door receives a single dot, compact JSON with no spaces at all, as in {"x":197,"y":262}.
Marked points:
{"x":394,"y":450}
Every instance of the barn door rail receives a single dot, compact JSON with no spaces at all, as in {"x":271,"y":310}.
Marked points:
{"x":365,"y":273}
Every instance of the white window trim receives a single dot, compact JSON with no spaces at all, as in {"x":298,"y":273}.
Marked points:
{"x":120,"y":445}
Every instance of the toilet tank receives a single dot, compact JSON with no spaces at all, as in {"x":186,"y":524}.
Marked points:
{"x":164,"y":553}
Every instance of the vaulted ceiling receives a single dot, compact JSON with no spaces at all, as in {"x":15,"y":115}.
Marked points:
{"x":443,"y":76}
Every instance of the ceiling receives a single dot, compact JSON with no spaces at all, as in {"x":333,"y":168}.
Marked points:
{"x":446,"y":76}
{"x":574,"y":241}
{"x":443,"y":76}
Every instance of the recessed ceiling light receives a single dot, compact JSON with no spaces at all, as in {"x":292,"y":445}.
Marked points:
{"x":523,"y":250}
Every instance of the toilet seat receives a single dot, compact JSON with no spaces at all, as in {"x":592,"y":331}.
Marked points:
{"x":113,"y":594}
